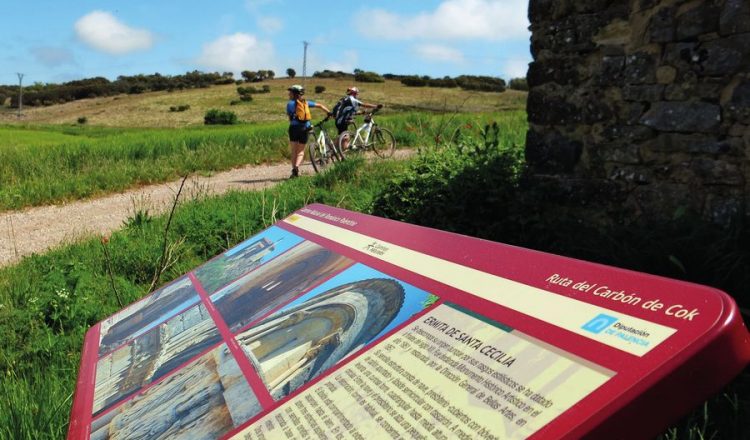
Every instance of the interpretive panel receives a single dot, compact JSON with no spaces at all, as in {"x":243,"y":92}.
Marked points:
{"x":333,"y":324}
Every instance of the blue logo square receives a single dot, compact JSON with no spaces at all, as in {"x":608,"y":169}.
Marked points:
{"x":599,"y":323}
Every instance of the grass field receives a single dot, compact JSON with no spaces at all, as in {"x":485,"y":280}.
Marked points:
{"x":49,"y":164}
{"x":132,"y":140}
{"x":153,"y":109}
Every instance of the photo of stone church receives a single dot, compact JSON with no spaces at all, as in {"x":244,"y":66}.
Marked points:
{"x":153,"y":355}
{"x":245,"y":257}
{"x":315,"y":332}
{"x":203,"y":400}
{"x":274,"y":284}
{"x":143,"y":315}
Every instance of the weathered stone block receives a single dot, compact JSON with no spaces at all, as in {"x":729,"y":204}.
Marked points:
{"x":661,"y":26}
{"x":723,"y":209}
{"x":660,"y":201}
{"x":595,"y":110}
{"x":703,"y":18}
{"x":738,"y":105}
{"x":683,"y":117}
{"x":691,"y":143}
{"x":640,"y":68}
{"x":666,"y":74}
{"x":725,"y":56}
{"x":717,"y":172}
{"x":621,"y":152}
{"x":551,"y":152}
{"x":629,"y":174}
{"x":630,"y":133}
{"x":611,"y":71}
{"x":548,"y":109}
{"x":560,"y":71}
{"x":631,"y":112}
{"x":648,"y":93}
{"x":734,"y":17}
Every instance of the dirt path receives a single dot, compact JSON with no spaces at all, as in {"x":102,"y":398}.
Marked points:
{"x":35,"y":230}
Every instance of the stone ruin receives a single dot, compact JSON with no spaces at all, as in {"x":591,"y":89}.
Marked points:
{"x":643,"y":105}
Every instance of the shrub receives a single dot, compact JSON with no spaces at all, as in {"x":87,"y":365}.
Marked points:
{"x":519,"y":84}
{"x":219,"y":117}
{"x":370,"y":77}
{"x":481,"y":83}
{"x":320,"y":89}
{"x":179,"y":108}
{"x":414,"y":81}
{"x":82,"y":120}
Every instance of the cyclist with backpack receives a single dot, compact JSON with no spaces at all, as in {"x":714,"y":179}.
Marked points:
{"x":298,"y":110}
{"x":346,"y":108}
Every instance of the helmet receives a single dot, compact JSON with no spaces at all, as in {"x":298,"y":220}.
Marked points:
{"x":298,"y":89}
{"x":352,"y":91}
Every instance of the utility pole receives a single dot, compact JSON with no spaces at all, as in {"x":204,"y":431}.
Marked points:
{"x":20,"y":93}
{"x":304,"y":63}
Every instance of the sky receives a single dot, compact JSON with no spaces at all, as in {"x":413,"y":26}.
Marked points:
{"x":53,"y":41}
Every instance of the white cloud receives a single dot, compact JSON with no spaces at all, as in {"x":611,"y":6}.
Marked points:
{"x":434,"y":52}
{"x":453,"y":19}
{"x":270,"y":24}
{"x":237,"y":52}
{"x":103,"y":32}
{"x":516,"y":68}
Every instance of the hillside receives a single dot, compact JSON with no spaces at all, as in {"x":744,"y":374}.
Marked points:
{"x":153,"y":109}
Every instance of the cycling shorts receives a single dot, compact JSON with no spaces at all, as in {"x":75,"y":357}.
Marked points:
{"x":298,"y":133}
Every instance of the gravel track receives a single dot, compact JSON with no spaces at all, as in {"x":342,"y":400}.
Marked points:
{"x":35,"y":230}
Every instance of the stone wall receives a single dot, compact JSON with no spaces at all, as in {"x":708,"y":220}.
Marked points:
{"x":644,"y":104}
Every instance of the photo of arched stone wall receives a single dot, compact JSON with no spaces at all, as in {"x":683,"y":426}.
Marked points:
{"x":643,"y":104}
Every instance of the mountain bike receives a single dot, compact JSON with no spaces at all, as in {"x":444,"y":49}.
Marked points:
{"x":323,"y":151}
{"x":369,"y":136}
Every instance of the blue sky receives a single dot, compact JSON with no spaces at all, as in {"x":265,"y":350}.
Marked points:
{"x":52,"y":41}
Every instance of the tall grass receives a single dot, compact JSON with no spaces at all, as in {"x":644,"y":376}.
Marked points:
{"x":38,"y":173}
{"x":52,"y":164}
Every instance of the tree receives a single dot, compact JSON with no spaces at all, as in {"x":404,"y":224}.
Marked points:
{"x":291,"y":73}
{"x":248,"y":75}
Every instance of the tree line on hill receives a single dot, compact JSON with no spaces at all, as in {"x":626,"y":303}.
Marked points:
{"x":466,"y":82}
{"x":48,"y":94}
{"x":39,"y":94}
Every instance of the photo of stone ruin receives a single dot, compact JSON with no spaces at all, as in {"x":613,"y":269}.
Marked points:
{"x":314,"y":333}
{"x":147,"y":313}
{"x":153,"y":355}
{"x":245,"y":257}
{"x":273,"y":285}
{"x":204,"y":400}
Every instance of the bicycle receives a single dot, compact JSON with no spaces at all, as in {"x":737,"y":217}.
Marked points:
{"x":369,"y":136}
{"x":323,"y":151}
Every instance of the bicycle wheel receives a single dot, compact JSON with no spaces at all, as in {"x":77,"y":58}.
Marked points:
{"x":382,"y":142}
{"x":320,"y":161}
{"x":333,"y":150}
{"x":345,"y":139}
